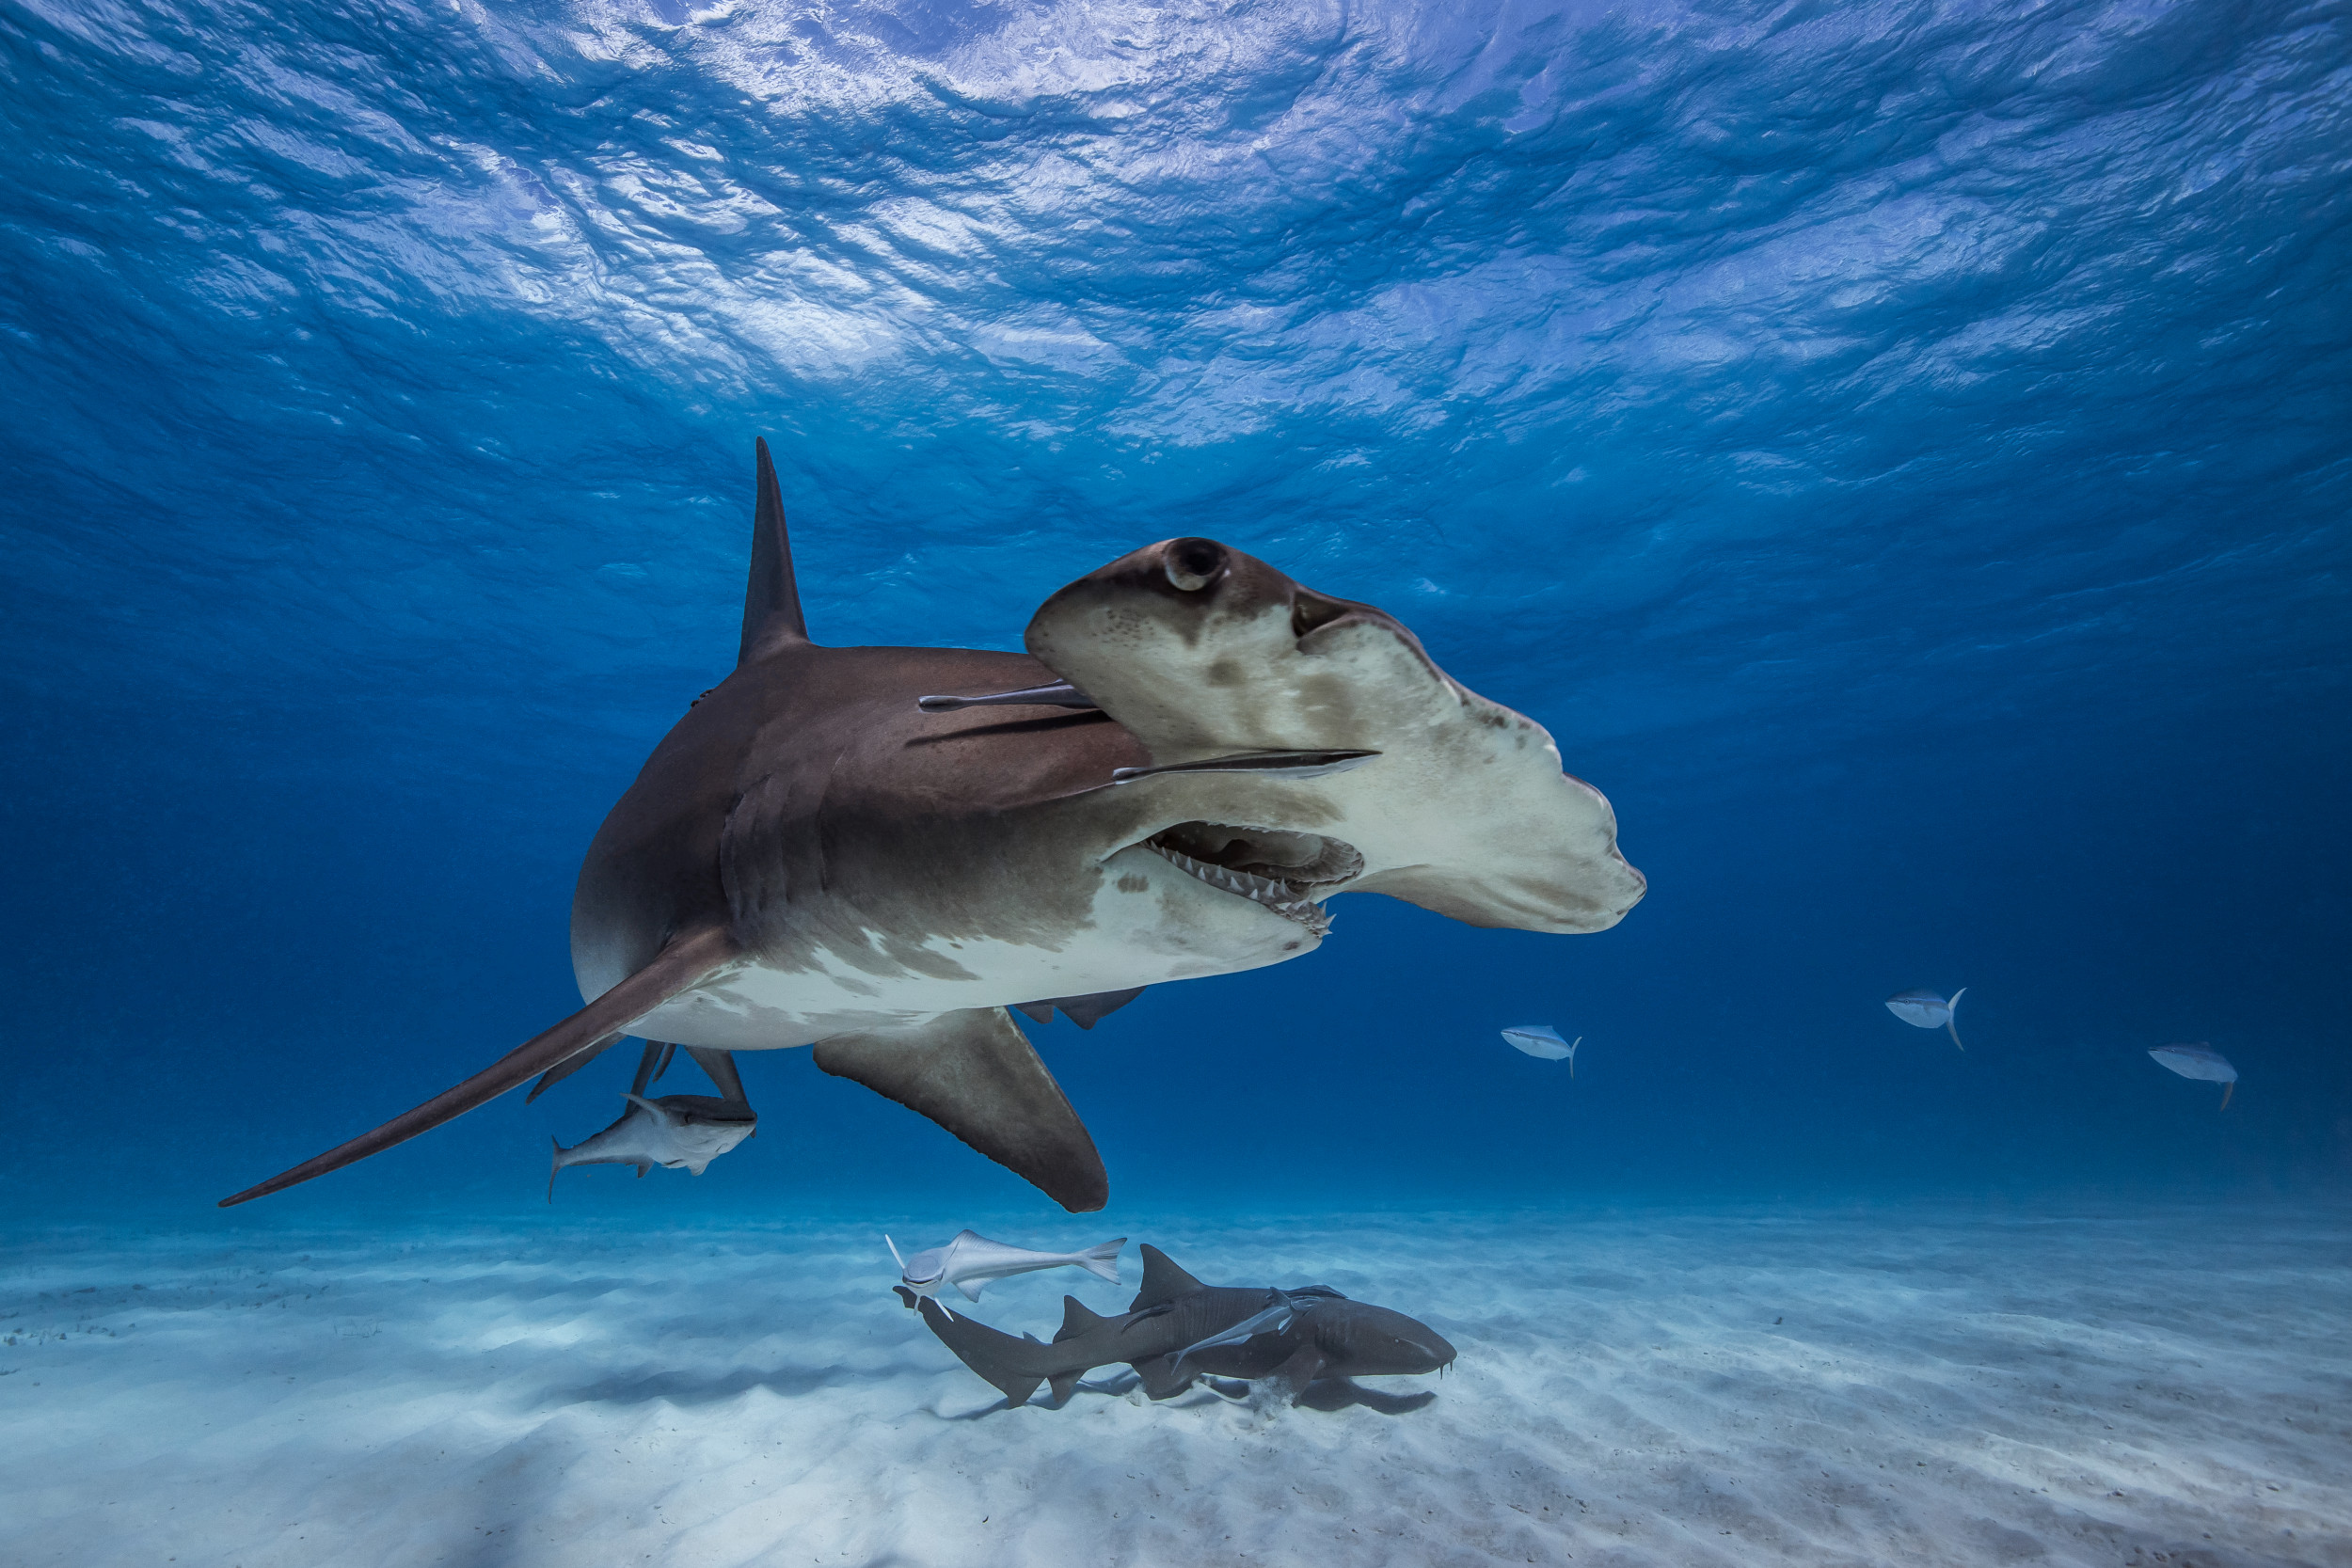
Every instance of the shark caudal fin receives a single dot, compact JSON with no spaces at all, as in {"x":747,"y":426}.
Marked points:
{"x":771,"y":599}
{"x":1076,"y":1319}
{"x":1163,"y":1282}
{"x":679,"y":967}
{"x":1014,"y":1367}
{"x":1102,"y":1262}
{"x":1951,"y":1016}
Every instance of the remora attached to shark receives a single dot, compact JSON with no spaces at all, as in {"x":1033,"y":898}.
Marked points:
{"x":1179,"y":1329}
{"x":682,"y":1132}
{"x":1195,"y":754}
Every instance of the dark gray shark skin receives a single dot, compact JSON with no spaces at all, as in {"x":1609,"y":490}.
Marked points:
{"x":1329,"y":1336}
{"x":1195,"y":754}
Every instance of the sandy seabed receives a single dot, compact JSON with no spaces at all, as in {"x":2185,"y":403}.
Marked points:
{"x":1657,"y":1389}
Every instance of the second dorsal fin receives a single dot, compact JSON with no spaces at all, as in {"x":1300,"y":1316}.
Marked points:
{"x":771,"y":599}
{"x":1163,"y":1282}
{"x":1076,"y":1318}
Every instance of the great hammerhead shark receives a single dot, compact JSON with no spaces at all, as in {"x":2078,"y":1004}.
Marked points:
{"x":1178,"y":1329}
{"x":879,"y":850}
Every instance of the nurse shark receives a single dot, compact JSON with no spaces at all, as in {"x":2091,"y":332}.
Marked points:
{"x":1193,"y":754}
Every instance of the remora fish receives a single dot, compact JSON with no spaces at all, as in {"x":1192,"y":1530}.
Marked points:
{"x":2200,"y":1061}
{"x":1176,"y":1318}
{"x":1542,"y":1039}
{"x":971,"y":1261}
{"x":1924,"y":1010}
{"x":686,"y":1131}
{"x":814,"y":855}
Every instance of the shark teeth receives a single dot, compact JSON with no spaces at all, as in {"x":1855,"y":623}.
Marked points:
{"x":1281,"y":897}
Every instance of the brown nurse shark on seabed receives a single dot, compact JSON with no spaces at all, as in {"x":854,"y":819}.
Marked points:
{"x":1178,"y":1329}
{"x":1193,"y":756}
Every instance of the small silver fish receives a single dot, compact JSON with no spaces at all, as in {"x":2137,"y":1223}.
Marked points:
{"x":2200,"y":1061}
{"x":971,"y":1260}
{"x":1924,"y":1010}
{"x":677,"y":1130}
{"x":1542,"y":1039}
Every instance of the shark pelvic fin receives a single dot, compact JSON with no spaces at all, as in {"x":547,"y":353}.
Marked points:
{"x":976,"y":1074}
{"x":771,"y":601}
{"x":718,"y":1066}
{"x":570,"y":1064}
{"x":1163,"y":1282}
{"x":679,"y":967}
{"x":1063,"y":1385}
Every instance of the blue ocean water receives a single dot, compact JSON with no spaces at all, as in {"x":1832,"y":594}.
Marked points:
{"x":1901,"y":451}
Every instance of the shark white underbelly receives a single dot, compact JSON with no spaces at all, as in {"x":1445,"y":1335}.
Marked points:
{"x":1147,"y":928}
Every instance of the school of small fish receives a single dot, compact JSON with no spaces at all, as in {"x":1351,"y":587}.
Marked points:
{"x":1922,"y":1009}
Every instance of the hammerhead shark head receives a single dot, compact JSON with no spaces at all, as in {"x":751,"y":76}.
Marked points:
{"x":1179,"y":1329}
{"x":878,"y":852}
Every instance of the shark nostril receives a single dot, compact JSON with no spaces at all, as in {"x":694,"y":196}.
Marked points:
{"x":1192,"y":565}
{"x":1311,"y":611}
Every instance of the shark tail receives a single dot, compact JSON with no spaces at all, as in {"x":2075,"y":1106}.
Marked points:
{"x":1014,"y":1367}
{"x":1102,"y":1262}
{"x":553,"y":1165}
{"x":2227,"y":1089}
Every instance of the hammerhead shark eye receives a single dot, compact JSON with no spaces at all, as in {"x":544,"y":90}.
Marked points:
{"x":1192,"y":565}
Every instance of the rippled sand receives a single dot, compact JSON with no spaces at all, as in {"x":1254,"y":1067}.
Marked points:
{"x":1669,"y":1388}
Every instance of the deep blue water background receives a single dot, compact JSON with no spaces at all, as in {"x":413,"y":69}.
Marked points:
{"x":1901,"y":451}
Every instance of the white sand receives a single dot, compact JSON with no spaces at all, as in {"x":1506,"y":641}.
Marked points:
{"x":1669,"y":1388}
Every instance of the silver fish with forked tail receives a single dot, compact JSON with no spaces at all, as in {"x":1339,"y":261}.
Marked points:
{"x":677,"y":1131}
{"x":1924,"y":1010}
{"x":972,"y":1260}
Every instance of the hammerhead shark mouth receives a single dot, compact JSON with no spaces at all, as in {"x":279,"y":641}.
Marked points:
{"x":1284,"y":870}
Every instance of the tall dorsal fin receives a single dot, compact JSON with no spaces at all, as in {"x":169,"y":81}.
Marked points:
{"x":771,"y":601}
{"x":1163,"y":1282}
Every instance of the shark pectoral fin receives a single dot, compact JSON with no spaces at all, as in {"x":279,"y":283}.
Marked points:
{"x":570,"y":1064}
{"x":679,"y":967}
{"x":1162,"y":1378}
{"x":971,"y":1291}
{"x":1292,"y":1377}
{"x":976,"y":1074}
